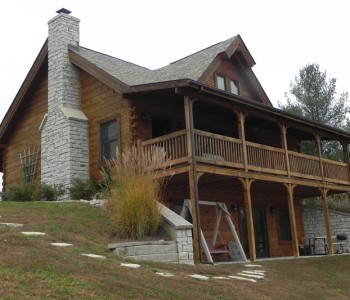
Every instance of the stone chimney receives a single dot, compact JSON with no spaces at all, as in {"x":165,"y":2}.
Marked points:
{"x":64,"y":129}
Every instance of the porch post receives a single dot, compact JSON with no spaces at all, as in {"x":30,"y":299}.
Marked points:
{"x":246,"y":183}
{"x":293,"y":227}
{"x":192,"y":176}
{"x":326,"y":220}
{"x":241,"y":132}
{"x":346,"y":157}
{"x":285,"y":146}
{"x":319,"y":152}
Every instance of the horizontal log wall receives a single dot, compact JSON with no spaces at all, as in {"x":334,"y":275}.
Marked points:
{"x":25,"y":133}
{"x":101,"y":104}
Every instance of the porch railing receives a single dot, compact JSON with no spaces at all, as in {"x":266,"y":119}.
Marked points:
{"x":225,"y":151}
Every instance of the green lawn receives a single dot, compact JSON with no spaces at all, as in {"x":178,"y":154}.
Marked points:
{"x":31,"y":268}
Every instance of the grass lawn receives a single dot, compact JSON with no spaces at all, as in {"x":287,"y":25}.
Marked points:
{"x":31,"y":268}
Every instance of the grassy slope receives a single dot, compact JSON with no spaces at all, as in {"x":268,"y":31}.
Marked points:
{"x":30,"y":268}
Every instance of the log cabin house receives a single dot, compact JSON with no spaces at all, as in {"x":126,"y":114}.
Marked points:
{"x":208,"y":111}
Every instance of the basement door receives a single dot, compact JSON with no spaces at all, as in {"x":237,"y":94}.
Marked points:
{"x":260,"y":232}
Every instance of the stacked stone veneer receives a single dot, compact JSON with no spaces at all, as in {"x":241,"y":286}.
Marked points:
{"x":178,"y":250}
{"x":64,"y":129}
{"x":314,"y":224}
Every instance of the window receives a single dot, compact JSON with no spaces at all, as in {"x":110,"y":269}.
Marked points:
{"x":220,"y":82}
{"x":284,"y":225}
{"x":227,"y":84}
{"x":109,"y":139}
{"x":234,"y":87}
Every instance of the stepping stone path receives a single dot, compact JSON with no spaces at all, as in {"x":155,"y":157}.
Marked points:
{"x":252,"y":275}
{"x":61,"y":244}
{"x":199,"y":277}
{"x":94,"y":255}
{"x":133,"y":266}
{"x":33,"y":233}
{"x":15,"y":225}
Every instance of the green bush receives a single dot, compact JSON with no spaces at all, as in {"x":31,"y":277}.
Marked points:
{"x":32,"y":192}
{"x":51,"y":192}
{"x":23,"y":192}
{"x":133,"y":193}
{"x":83,"y":189}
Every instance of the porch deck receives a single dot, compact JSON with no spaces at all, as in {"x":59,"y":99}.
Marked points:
{"x":218,"y":150}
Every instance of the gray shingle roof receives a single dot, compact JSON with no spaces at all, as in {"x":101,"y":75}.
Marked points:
{"x":190,"y":67}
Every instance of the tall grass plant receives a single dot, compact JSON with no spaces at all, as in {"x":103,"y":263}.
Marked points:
{"x":134,"y":191}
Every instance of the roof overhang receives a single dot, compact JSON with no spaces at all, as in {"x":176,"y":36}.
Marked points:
{"x":202,"y":92}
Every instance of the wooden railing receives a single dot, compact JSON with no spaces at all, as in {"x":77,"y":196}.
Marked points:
{"x":302,"y":165}
{"x":265,"y":158}
{"x":218,"y":149}
{"x":174,"y":145}
{"x":225,"y":151}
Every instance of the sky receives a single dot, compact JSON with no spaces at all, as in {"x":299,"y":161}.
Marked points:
{"x":282,"y":36}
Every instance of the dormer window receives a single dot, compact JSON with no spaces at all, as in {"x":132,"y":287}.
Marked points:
{"x":234,"y":87}
{"x":221,"y":82}
{"x":226,"y":84}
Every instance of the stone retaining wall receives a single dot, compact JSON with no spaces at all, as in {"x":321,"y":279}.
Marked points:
{"x":179,"y":249}
{"x":314,"y":224}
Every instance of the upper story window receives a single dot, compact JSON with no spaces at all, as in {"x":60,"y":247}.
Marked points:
{"x":220,"y":82}
{"x":108,"y":140}
{"x":227,"y":84}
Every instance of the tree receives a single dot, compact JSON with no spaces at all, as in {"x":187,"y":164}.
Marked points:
{"x":314,"y":98}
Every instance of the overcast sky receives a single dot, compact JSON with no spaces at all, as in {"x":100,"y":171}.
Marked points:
{"x":282,"y":36}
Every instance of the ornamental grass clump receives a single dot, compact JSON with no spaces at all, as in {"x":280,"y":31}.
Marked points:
{"x":133,"y":191}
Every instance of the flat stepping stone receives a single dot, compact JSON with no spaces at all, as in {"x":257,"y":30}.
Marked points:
{"x":255,"y":272}
{"x":242,"y":278}
{"x":164,"y":274}
{"x":253,"y":266}
{"x":61,"y":244}
{"x":94,"y":255}
{"x":33,"y":233}
{"x":133,"y":266}
{"x":15,"y":225}
{"x":199,"y":277}
{"x":251,"y":275}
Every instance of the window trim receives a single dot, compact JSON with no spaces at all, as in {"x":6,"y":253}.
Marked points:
{"x":227,"y":84}
{"x":236,"y":83}
{"x":224,"y":80}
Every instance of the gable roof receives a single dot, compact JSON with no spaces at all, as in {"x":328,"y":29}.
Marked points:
{"x":192,"y":67}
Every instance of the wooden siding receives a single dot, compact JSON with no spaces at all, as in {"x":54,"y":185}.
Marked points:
{"x":25,"y":133}
{"x":100,"y":104}
{"x":231,"y":69}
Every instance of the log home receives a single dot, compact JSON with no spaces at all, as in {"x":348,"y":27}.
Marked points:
{"x":224,"y":139}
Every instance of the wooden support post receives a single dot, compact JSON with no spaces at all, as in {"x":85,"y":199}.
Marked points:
{"x":241,"y":132}
{"x":319,"y":152}
{"x":192,"y":176}
{"x":246,"y":183}
{"x":326,"y":220}
{"x":346,"y":157}
{"x":293,"y":227}
{"x":285,"y":146}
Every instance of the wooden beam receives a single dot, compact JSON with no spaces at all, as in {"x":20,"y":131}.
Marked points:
{"x":192,"y":177}
{"x":319,"y":152}
{"x":293,"y":226}
{"x":326,"y":221}
{"x":241,"y":132}
{"x":246,"y":183}
{"x":285,"y":146}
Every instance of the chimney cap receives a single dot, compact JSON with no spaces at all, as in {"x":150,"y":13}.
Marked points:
{"x":63,"y":11}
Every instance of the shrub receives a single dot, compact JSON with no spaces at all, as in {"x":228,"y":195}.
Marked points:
{"x":133,"y":193}
{"x":51,"y":192}
{"x":23,"y":192}
{"x":83,"y":189}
